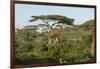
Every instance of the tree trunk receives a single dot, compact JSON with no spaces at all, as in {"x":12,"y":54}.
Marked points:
{"x":93,"y":47}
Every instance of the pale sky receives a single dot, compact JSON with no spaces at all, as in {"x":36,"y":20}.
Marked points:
{"x":23,"y":13}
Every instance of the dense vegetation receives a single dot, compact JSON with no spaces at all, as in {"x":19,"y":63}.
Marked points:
{"x":74,"y":45}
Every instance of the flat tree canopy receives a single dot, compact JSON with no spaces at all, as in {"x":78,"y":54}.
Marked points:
{"x":53,"y":18}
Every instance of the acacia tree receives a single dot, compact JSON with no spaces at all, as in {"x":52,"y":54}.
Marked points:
{"x":50,"y":20}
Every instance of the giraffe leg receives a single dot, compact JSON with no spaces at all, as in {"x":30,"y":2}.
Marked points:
{"x":49,"y":42}
{"x":56,"y":40}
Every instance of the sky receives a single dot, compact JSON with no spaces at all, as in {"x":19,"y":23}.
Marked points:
{"x":23,"y":13}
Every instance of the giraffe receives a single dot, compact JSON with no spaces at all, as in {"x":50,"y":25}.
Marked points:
{"x":55,"y":36}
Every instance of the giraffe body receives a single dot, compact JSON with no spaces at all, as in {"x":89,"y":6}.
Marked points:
{"x":55,"y":37}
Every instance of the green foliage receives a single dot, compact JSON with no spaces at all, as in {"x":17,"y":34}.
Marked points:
{"x":88,"y":25}
{"x":73,"y":47}
{"x":47,"y":19}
